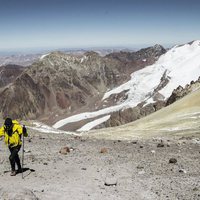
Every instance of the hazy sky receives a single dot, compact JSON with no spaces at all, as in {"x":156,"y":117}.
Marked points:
{"x":91,"y":23}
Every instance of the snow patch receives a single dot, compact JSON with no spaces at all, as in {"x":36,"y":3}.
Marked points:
{"x":94,"y":123}
{"x":43,"y":56}
{"x":40,"y":127}
{"x":83,"y":59}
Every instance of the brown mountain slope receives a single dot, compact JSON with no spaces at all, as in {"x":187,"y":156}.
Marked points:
{"x":9,"y":73}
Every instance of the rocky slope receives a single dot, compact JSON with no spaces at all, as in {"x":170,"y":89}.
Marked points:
{"x":67,"y":84}
{"x":160,"y":167}
{"x":149,"y":55}
{"x":9,"y":73}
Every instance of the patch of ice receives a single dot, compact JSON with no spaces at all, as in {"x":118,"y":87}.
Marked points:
{"x":94,"y":123}
{"x":43,"y":56}
{"x":40,"y":127}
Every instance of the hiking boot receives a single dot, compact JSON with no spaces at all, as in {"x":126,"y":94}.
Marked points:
{"x":13,"y":173}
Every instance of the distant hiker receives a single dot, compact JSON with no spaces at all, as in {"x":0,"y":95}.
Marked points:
{"x":12,"y":132}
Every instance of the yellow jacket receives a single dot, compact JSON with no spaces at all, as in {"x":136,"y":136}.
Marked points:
{"x":15,"y":138}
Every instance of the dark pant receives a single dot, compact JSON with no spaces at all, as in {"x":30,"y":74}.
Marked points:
{"x":14,"y":157}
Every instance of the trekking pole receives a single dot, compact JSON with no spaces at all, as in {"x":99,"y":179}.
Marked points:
{"x":23,"y":152}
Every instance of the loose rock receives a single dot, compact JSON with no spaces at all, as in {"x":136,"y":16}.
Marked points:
{"x":173,"y":160}
{"x":64,"y":150}
{"x":110,"y":182}
{"x":160,"y":145}
{"x":104,"y":150}
{"x":182,"y":171}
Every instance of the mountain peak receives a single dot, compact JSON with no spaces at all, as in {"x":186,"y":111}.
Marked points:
{"x":158,"y":47}
{"x":91,"y":53}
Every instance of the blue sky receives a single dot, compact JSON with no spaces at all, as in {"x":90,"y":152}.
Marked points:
{"x":30,"y":24}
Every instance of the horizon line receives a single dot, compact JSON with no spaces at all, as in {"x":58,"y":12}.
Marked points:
{"x":38,"y":49}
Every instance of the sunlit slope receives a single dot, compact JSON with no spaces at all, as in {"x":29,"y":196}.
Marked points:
{"x":180,"y":118}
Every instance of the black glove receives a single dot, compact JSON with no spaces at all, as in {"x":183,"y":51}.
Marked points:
{"x":24,"y":130}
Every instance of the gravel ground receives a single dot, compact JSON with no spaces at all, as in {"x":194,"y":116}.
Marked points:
{"x":104,"y":169}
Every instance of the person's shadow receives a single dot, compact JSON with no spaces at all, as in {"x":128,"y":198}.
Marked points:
{"x":22,"y":171}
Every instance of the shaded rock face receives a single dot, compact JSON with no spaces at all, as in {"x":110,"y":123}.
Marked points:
{"x":150,"y":53}
{"x":139,"y":59}
{"x":61,"y":83}
{"x":180,"y":92}
{"x":131,"y":114}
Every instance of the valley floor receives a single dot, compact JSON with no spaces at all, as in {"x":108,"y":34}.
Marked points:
{"x":129,"y":170}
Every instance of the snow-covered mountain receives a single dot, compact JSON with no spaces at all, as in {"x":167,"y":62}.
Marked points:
{"x":59,"y":85}
{"x":82,"y":92}
{"x":179,"y":66}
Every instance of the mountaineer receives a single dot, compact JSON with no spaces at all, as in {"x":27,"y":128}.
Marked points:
{"x":12,"y":132}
